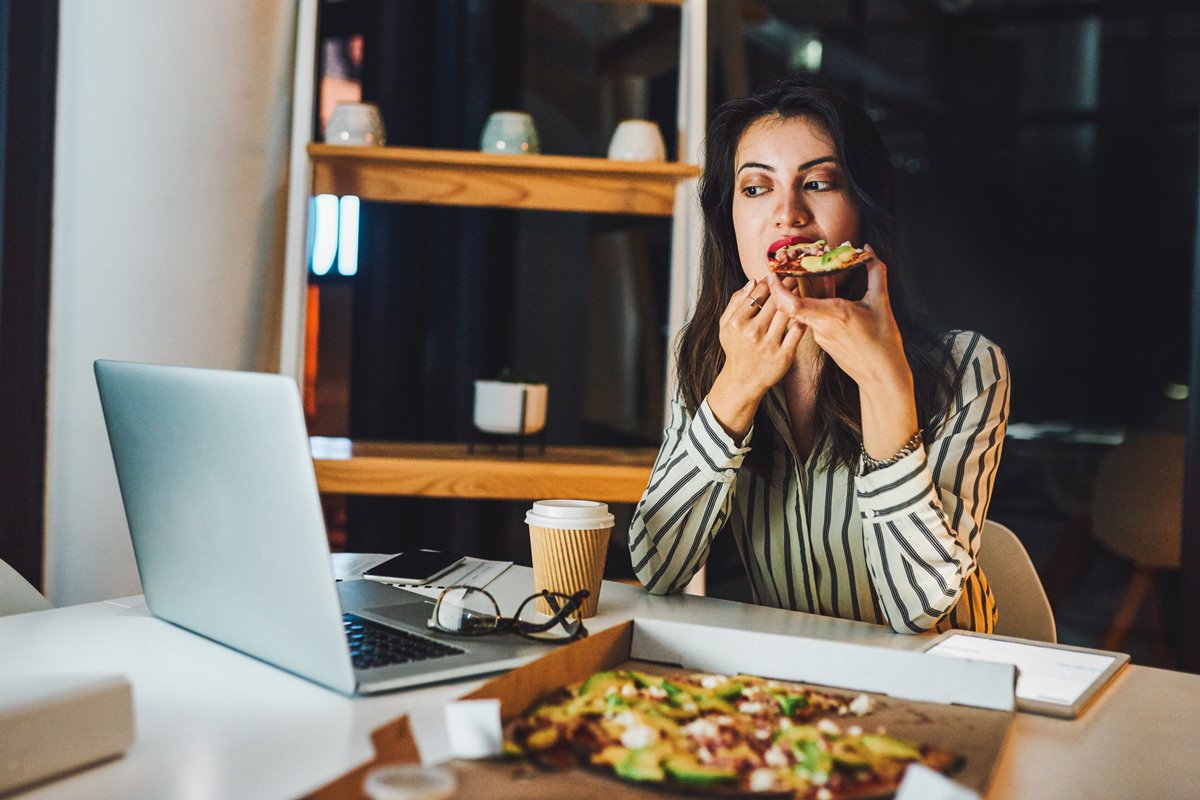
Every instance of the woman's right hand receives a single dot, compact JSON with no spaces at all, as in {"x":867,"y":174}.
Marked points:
{"x":760,"y":345}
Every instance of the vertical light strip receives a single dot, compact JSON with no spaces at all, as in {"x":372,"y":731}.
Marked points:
{"x":347,"y":263}
{"x":325,"y":233}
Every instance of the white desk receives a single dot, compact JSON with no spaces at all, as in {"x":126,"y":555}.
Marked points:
{"x":212,"y":723}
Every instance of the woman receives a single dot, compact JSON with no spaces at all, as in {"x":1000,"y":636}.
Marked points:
{"x":848,"y":446}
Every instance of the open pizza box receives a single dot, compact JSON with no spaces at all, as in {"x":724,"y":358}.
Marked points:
{"x":965,"y":707}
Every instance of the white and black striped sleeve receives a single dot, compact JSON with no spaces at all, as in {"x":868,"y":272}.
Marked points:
{"x":686,"y":501}
{"x":922,"y":515}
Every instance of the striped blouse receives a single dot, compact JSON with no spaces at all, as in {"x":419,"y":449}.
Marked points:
{"x":896,"y":546}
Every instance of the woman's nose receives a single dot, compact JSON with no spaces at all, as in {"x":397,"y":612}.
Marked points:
{"x":792,"y":211}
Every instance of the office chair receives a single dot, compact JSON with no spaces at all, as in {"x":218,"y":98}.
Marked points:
{"x":1024,"y":610}
{"x":17,"y":595}
{"x":1137,"y":513}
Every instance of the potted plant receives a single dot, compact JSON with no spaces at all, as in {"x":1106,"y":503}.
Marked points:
{"x":511,"y":405}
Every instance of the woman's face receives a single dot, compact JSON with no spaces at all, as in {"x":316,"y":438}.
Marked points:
{"x":788,"y":187}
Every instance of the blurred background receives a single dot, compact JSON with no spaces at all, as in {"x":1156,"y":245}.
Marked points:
{"x":1046,"y":158}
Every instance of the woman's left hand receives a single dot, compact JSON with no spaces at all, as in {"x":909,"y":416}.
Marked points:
{"x":861,"y":336}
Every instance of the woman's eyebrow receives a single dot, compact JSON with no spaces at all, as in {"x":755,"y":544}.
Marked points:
{"x":756,"y":165}
{"x":815,"y":161}
{"x":801,"y":168}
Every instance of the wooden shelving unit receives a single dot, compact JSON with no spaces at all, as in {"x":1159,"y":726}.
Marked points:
{"x":434,"y":469}
{"x":534,"y":182}
{"x":465,"y":178}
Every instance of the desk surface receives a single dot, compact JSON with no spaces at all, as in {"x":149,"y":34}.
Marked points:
{"x":212,"y":723}
{"x":436,"y":469}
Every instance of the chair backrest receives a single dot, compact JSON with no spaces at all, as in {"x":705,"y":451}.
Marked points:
{"x":1024,"y":610}
{"x":17,"y":595}
{"x":1137,"y":499}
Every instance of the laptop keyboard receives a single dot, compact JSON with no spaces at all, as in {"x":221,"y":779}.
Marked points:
{"x":373,"y":645}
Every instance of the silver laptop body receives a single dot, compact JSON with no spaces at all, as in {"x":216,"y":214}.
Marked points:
{"x":221,"y":499}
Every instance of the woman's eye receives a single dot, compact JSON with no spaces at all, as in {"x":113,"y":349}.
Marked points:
{"x":754,"y":191}
{"x":819,"y":185}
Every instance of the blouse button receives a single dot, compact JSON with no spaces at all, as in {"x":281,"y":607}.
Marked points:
{"x":869,"y":513}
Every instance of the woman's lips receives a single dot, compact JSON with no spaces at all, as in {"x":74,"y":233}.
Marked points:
{"x":785,"y":242}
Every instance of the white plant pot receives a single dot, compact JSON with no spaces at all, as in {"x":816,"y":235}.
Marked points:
{"x":498,"y":407}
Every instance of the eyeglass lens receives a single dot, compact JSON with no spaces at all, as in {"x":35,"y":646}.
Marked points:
{"x":463,"y":609}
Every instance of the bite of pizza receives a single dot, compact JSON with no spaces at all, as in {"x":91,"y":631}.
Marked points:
{"x":798,"y":259}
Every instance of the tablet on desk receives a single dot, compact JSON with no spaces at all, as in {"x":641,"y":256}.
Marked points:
{"x":1054,"y":679}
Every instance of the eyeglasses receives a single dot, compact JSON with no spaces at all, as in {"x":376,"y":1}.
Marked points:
{"x":545,"y":616}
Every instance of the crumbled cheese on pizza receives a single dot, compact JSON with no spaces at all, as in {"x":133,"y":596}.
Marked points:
{"x":824,"y":794}
{"x":763,"y":733}
{"x":636,"y":734}
{"x":750,"y":708}
{"x":761,"y":780}
{"x":829,"y":727}
{"x":701,"y":729}
{"x":628,"y":690}
{"x":712,"y":681}
{"x":854,"y":730}
{"x":775,"y":757}
{"x":657,"y":692}
{"x":861,"y":705}
{"x":638,"y":737}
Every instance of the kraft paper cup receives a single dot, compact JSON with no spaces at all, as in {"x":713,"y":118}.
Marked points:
{"x":569,"y":540}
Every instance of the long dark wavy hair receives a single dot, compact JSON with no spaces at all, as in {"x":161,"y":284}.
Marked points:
{"x":866,"y":164}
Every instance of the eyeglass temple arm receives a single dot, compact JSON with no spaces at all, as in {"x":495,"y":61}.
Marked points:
{"x":560,"y":614}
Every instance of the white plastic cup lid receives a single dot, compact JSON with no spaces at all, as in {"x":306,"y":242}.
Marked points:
{"x":410,"y":782}
{"x":572,"y":515}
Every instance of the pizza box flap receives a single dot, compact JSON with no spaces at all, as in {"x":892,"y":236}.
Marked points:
{"x":897,"y":673}
{"x":901,"y":674}
{"x":522,"y":687}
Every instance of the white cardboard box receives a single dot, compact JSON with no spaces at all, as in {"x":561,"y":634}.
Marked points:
{"x":51,"y":725}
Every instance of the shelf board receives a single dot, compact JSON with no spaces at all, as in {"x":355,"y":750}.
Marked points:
{"x":435,"y":469}
{"x":467,"y":178}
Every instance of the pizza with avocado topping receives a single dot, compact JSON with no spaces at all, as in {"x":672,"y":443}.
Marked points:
{"x":796,"y":257}
{"x":721,"y":735}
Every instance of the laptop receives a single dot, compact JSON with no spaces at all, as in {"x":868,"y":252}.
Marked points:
{"x":219,"y":491}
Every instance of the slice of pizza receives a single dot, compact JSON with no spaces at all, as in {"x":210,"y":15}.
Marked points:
{"x":798,"y":258}
{"x":718,"y":734}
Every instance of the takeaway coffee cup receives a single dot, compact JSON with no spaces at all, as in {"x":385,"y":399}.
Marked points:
{"x":569,"y":540}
